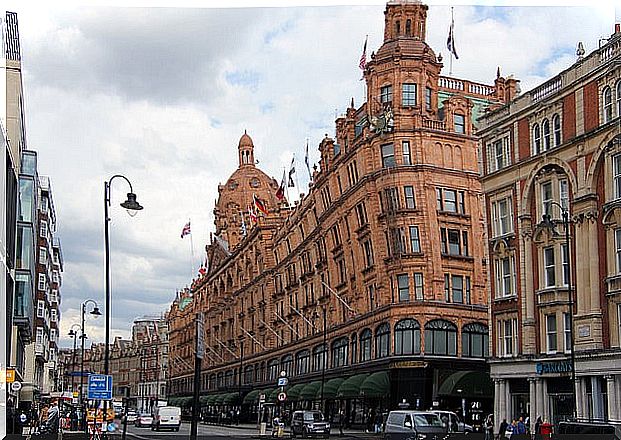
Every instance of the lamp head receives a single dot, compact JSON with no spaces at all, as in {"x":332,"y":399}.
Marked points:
{"x":131,"y":205}
{"x":72,"y":333}
{"x":96,"y":311}
{"x":546,"y":222}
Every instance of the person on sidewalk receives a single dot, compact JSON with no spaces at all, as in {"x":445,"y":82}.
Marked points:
{"x":489,"y":428}
{"x":502,"y":429}
{"x":341,"y":422}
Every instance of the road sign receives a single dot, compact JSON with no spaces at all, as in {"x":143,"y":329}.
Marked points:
{"x":16,"y":386}
{"x":282,"y":397}
{"x":100,"y":387}
{"x":283,"y":381}
{"x":200,"y":335}
{"x":261,"y":398}
{"x":10,"y":375}
{"x":283,"y":373}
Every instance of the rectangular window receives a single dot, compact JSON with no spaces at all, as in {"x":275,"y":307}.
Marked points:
{"x":408,"y":95}
{"x":371,"y":291}
{"x":428,"y":98}
{"x":410,"y":202}
{"x":450,"y":200}
{"x":459,"y":123}
{"x":616,"y":176}
{"x":447,"y":287}
{"x":40,"y":308}
{"x":43,"y":256}
{"x":391,"y":200}
{"x":403,"y":283}
{"x":551,"y":333}
{"x":447,"y":200}
{"x":546,"y":197}
{"x":502,"y":217}
{"x":457,"y":282}
{"x":499,"y":155}
{"x":414,"y":239}
{"x":386,"y":94}
{"x":563,"y":190}
{"x":53,"y":315}
{"x":454,"y":246}
{"x":361,"y":214}
{"x":388,"y":156}
{"x":618,"y":248}
{"x":39,"y":337}
{"x":567,"y":332}
{"x":405,"y":148}
{"x":43,"y":229}
{"x":504,"y":277}
{"x":368,"y":253}
{"x":565,"y":262}
{"x":41,"y":283}
{"x":468,"y":291}
{"x":418,"y":286}
{"x":549,"y":267}
{"x":53,"y":336}
{"x":508,"y":337}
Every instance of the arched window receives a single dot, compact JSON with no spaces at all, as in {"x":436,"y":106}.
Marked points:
{"x":365,"y":345}
{"x":607,"y":95}
{"x":408,"y":28}
{"x":475,"y":340}
{"x":259,"y":372}
{"x":440,"y":337}
{"x":382,"y":340}
{"x":556,"y":125}
{"x":339,"y":352}
{"x":286,"y":364}
{"x":547,"y":139}
{"x":537,"y":138}
{"x":212,"y":382}
{"x":248,"y":373}
{"x":220,"y":380}
{"x":272,"y":370}
{"x":407,"y":337}
{"x":354,"y":348}
{"x":302,"y":360}
{"x":618,"y":90}
{"x":319,"y":357}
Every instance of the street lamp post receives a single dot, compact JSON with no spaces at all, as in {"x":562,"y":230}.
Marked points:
{"x":548,"y":223}
{"x":74,"y":334}
{"x":131,"y":205}
{"x":94,"y":312}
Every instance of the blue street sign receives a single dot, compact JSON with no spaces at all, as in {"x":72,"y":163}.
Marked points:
{"x":100,"y":387}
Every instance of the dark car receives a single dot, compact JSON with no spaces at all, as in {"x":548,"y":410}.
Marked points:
{"x":309,"y":424}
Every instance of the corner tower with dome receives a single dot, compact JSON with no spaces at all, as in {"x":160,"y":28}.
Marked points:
{"x":372,"y":291}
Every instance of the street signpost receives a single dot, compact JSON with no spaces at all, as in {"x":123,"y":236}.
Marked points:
{"x":100,"y":387}
{"x":282,"y":396}
{"x":283,"y":381}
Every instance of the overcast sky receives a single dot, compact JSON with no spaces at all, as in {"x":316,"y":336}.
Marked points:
{"x":162,"y":95}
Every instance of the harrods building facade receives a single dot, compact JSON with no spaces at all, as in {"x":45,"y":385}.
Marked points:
{"x":392,"y":225}
{"x":559,"y":144}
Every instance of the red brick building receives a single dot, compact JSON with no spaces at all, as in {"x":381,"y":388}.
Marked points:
{"x":373,"y":288}
{"x":557,"y":146}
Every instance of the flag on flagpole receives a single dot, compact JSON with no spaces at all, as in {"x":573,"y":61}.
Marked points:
{"x":363,"y":57}
{"x":260,"y":204}
{"x":186,"y":230}
{"x":292,"y":172}
{"x":280,"y":193}
{"x":450,"y":41}
{"x":202,"y":271}
{"x":252,"y":214}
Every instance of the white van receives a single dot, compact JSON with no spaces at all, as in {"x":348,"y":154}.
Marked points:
{"x":166,"y":417}
{"x":410,"y":424}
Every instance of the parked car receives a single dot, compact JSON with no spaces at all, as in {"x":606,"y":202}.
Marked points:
{"x":166,"y":417}
{"x":309,"y":424}
{"x":574,"y":429}
{"x":453,"y":422}
{"x":414,"y":425}
{"x":144,"y":420}
{"x":131,"y":416}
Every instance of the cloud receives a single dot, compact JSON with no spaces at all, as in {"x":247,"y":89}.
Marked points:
{"x":162,"y":96}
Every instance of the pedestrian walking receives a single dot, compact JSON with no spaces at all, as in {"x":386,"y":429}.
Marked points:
{"x":538,"y":424}
{"x":489,"y":428}
{"x":503,"y":429}
{"x":341,"y":421}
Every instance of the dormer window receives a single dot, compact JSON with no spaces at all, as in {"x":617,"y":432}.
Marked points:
{"x":459,"y":122}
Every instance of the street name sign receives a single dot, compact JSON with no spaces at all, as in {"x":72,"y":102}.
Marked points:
{"x":100,"y":387}
{"x":283,"y":381}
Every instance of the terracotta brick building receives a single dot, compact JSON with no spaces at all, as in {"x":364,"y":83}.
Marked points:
{"x":373,"y":288}
{"x":559,"y":144}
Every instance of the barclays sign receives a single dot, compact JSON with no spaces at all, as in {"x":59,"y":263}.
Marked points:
{"x":553,"y":367}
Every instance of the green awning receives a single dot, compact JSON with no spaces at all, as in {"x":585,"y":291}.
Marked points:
{"x":470,"y":384}
{"x":203,"y":399}
{"x":231,"y":399}
{"x":309,"y":392}
{"x":219,"y":399}
{"x":351,"y":387}
{"x":185,"y":401}
{"x":330,"y":388}
{"x":376,"y":385}
{"x":273,"y":395}
{"x":211,"y":399}
{"x":172,"y":401}
{"x":252,"y":397}
{"x":293,"y":393}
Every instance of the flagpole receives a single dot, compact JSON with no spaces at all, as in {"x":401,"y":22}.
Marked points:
{"x":191,"y":251}
{"x":287,"y":186}
{"x":453,"y":43}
